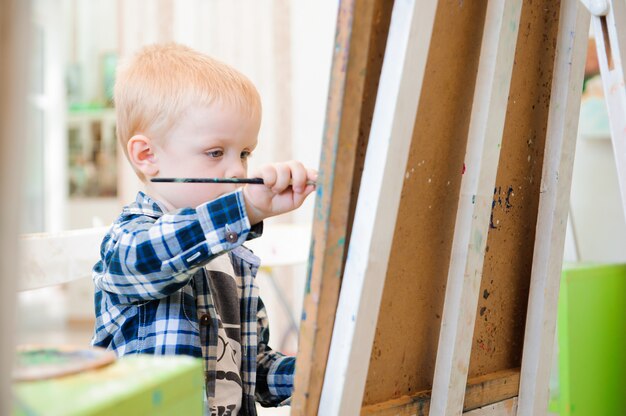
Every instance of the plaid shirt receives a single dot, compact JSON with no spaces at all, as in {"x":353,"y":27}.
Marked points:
{"x":152,"y":296}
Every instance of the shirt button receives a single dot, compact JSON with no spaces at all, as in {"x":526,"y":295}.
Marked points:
{"x":232,"y":237}
{"x":205,"y":319}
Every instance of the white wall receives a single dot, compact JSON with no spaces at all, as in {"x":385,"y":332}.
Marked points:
{"x":313,"y":38}
{"x":90,"y":31}
{"x":596,"y":211}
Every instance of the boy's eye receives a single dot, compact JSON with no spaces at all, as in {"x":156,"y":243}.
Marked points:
{"x":215,"y":153}
{"x":245,"y":154}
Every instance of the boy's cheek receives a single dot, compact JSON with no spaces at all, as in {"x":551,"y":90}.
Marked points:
{"x":198,"y":194}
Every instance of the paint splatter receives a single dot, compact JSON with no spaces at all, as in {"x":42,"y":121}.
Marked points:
{"x":509,"y":194}
{"x":501,"y":200}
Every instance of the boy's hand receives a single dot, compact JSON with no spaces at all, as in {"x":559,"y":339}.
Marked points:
{"x":285,"y":189}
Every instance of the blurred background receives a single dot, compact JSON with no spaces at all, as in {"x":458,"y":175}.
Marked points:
{"x":76,"y":177}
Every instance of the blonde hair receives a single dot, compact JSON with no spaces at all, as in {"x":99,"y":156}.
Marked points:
{"x":158,"y":84}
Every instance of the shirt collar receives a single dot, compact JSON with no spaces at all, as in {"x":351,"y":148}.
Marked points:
{"x":145,"y":205}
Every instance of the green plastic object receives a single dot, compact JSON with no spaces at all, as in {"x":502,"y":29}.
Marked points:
{"x":133,"y":385}
{"x":592,"y":340}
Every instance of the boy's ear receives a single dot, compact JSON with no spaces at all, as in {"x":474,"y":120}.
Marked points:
{"x":141,"y":154}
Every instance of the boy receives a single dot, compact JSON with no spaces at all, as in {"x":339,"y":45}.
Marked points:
{"x":173,"y":277}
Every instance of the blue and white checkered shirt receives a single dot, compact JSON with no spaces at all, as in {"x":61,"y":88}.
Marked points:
{"x":152,"y":294}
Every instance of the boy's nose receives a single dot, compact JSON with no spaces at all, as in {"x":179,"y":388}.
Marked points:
{"x":236,"y":170}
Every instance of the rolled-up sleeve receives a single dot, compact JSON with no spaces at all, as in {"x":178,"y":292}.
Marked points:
{"x":149,"y":258}
{"x":275,"y":371}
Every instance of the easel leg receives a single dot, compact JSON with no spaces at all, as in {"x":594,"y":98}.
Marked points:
{"x":553,"y":207}
{"x":390,"y":137}
{"x":474,"y":209}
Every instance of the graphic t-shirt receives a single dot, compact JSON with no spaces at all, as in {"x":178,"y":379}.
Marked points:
{"x":226,"y":289}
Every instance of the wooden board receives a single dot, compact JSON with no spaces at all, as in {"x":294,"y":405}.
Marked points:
{"x":359,"y":46}
{"x":499,"y":330}
{"x":480,"y":391}
{"x":504,"y":408}
{"x":475,"y":203}
{"x":405,"y":346}
{"x":554,"y":203}
{"x":48,"y":259}
{"x":384,"y":168}
{"x":404,"y":349}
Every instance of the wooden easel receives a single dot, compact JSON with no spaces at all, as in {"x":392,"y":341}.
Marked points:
{"x":468,"y":343}
{"x":609,"y":25}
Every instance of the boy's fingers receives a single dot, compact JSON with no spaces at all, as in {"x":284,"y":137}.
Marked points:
{"x":298,"y":176}
{"x":299,"y":197}
{"x":269,"y":175}
{"x":283,"y":177}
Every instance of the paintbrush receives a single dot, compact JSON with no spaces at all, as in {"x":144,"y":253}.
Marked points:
{"x":254,"y":181}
